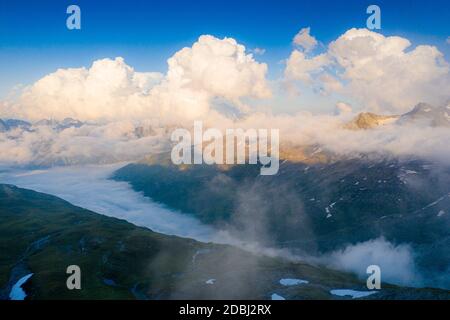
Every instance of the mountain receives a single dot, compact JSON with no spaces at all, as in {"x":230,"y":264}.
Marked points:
{"x":3,"y":126}
{"x":422,"y":114}
{"x":41,"y":235}
{"x":46,"y":122}
{"x":9,"y":124}
{"x":14,"y":123}
{"x":368,"y":120}
{"x":69,"y":123}
{"x":426,"y":114}
{"x":60,"y":125}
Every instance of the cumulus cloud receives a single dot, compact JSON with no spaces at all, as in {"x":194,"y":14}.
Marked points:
{"x":329,"y":84}
{"x":300,"y":67}
{"x":218,"y":68}
{"x":111,"y":89}
{"x":103,"y":90}
{"x":378,"y":73}
{"x":258,"y":51}
{"x":381,"y":73}
{"x":304,"y":40}
{"x":343,"y":108}
{"x":384,"y":74}
{"x":216,"y":74}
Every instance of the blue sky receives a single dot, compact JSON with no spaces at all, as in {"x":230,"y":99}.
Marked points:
{"x":34,"y":40}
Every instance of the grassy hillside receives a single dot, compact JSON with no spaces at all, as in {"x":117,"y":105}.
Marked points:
{"x":42,"y":234}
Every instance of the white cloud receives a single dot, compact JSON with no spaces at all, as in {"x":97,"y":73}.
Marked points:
{"x":402,"y":141}
{"x":448,"y":40}
{"x":300,"y":67}
{"x":219,"y":68}
{"x":381,"y":73}
{"x":304,"y":40}
{"x":343,"y":108}
{"x":258,"y":51}
{"x":107,"y":143}
{"x":329,"y":84}
{"x":396,"y":262}
{"x":103,"y":91}
{"x":91,"y":188}
{"x":360,"y":65}
{"x":121,"y":141}
{"x":111,"y":90}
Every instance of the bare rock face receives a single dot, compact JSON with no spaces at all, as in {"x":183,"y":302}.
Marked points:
{"x":368,"y":120}
{"x":422,"y":114}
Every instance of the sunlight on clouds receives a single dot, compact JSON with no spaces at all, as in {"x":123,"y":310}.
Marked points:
{"x":116,"y":102}
{"x":300,"y":67}
{"x":111,"y":89}
{"x":381,"y":73}
{"x":304,"y":40}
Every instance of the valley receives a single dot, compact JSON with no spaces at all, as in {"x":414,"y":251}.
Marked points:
{"x":315,"y":208}
{"x":121,"y":261}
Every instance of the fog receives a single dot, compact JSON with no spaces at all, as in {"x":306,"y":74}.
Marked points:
{"x":395,"y":261}
{"x":89,"y":187}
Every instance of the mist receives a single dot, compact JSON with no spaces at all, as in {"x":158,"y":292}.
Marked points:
{"x":90,"y":187}
{"x":395,"y":261}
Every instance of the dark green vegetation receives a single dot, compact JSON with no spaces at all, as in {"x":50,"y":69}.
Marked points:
{"x":42,"y":234}
{"x":316,"y":208}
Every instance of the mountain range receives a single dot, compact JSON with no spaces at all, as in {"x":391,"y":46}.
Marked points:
{"x":319,"y":202}
{"x":421,"y":114}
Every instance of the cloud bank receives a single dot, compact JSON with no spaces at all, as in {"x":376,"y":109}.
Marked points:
{"x":381,"y":73}
{"x":218,"y":81}
{"x":112,"y":90}
{"x":304,"y":40}
{"x":371,"y":71}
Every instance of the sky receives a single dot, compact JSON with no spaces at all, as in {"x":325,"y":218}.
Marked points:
{"x":34,"y":40}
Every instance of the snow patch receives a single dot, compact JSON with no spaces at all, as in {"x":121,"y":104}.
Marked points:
{"x":292,"y":282}
{"x":352,"y":293}
{"x":17,"y":292}
{"x":277,"y":297}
